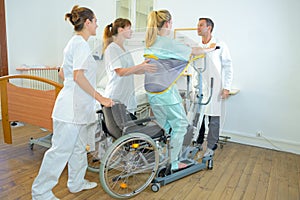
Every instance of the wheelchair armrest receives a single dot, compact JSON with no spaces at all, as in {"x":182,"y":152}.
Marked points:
{"x":138,"y":121}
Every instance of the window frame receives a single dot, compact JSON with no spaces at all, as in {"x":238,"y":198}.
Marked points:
{"x":132,"y":12}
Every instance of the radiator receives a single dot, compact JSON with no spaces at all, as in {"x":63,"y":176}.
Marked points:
{"x":50,"y":73}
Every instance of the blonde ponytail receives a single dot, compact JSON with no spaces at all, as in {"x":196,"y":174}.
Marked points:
{"x":152,"y":29}
{"x":156,"y":20}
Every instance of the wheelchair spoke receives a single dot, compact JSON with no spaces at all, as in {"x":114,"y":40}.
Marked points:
{"x":129,"y":165}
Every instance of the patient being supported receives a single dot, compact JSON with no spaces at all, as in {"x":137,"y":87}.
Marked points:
{"x":163,"y":95}
{"x":166,"y":103}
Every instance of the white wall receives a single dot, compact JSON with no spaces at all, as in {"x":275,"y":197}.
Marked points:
{"x":37,"y":32}
{"x":263,"y":37}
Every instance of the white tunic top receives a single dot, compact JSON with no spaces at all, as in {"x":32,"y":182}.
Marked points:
{"x":119,"y":88}
{"x":73,"y":104}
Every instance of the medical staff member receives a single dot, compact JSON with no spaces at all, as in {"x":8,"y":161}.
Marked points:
{"x":167,"y":106}
{"x":74,"y":109}
{"x":218,"y":66}
{"x":119,"y":64}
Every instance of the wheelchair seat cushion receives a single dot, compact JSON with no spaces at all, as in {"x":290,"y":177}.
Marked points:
{"x":152,"y":130}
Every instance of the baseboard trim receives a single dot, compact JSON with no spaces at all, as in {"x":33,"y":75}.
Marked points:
{"x":264,"y":142}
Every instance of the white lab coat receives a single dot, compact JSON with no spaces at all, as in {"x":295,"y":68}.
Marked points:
{"x":218,"y":65}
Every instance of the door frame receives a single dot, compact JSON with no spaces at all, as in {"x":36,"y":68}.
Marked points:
{"x":3,"y":41}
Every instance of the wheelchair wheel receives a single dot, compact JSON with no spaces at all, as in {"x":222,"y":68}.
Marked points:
{"x":129,"y":165}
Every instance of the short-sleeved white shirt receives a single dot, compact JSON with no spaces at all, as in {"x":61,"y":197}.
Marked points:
{"x":119,"y":88}
{"x":73,"y":104}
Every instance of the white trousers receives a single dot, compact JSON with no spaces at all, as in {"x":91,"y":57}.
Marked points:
{"x":68,"y":146}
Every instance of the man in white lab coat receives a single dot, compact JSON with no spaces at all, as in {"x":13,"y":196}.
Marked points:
{"x":218,"y":65}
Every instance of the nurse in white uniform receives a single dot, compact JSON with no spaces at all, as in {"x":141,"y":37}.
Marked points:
{"x":119,"y":64}
{"x":74,"y":109}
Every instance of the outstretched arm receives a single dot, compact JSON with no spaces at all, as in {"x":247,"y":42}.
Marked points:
{"x":198,"y":50}
{"x":81,"y":80}
{"x":137,"y":69}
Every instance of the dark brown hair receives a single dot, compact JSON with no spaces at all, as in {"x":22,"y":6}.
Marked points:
{"x":209,"y":22}
{"x":78,"y":16}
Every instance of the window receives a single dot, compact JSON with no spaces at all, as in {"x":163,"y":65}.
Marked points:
{"x":136,"y":11}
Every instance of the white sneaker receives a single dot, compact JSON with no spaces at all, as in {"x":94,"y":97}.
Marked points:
{"x":89,"y":185}
{"x":86,"y":186}
{"x":209,"y":153}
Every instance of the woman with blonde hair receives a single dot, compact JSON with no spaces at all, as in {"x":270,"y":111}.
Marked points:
{"x":119,"y":64}
{"x":167,"y":104}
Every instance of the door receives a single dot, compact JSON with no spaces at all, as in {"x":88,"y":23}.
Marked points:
{"x":3,"y":45}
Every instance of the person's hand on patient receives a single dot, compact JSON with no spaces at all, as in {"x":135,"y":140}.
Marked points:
{"x":199,"y":50}
{"x":137,"y":69}
{"x":212,"y":45}
{"x":148,"y":67}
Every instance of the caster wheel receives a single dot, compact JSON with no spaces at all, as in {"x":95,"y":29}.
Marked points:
{"x":155,"y":187}
{"x":31,"y":144}
{"x":210,"y":164}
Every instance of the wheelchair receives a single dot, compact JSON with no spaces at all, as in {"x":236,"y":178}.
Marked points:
{"x":136,"y":154}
